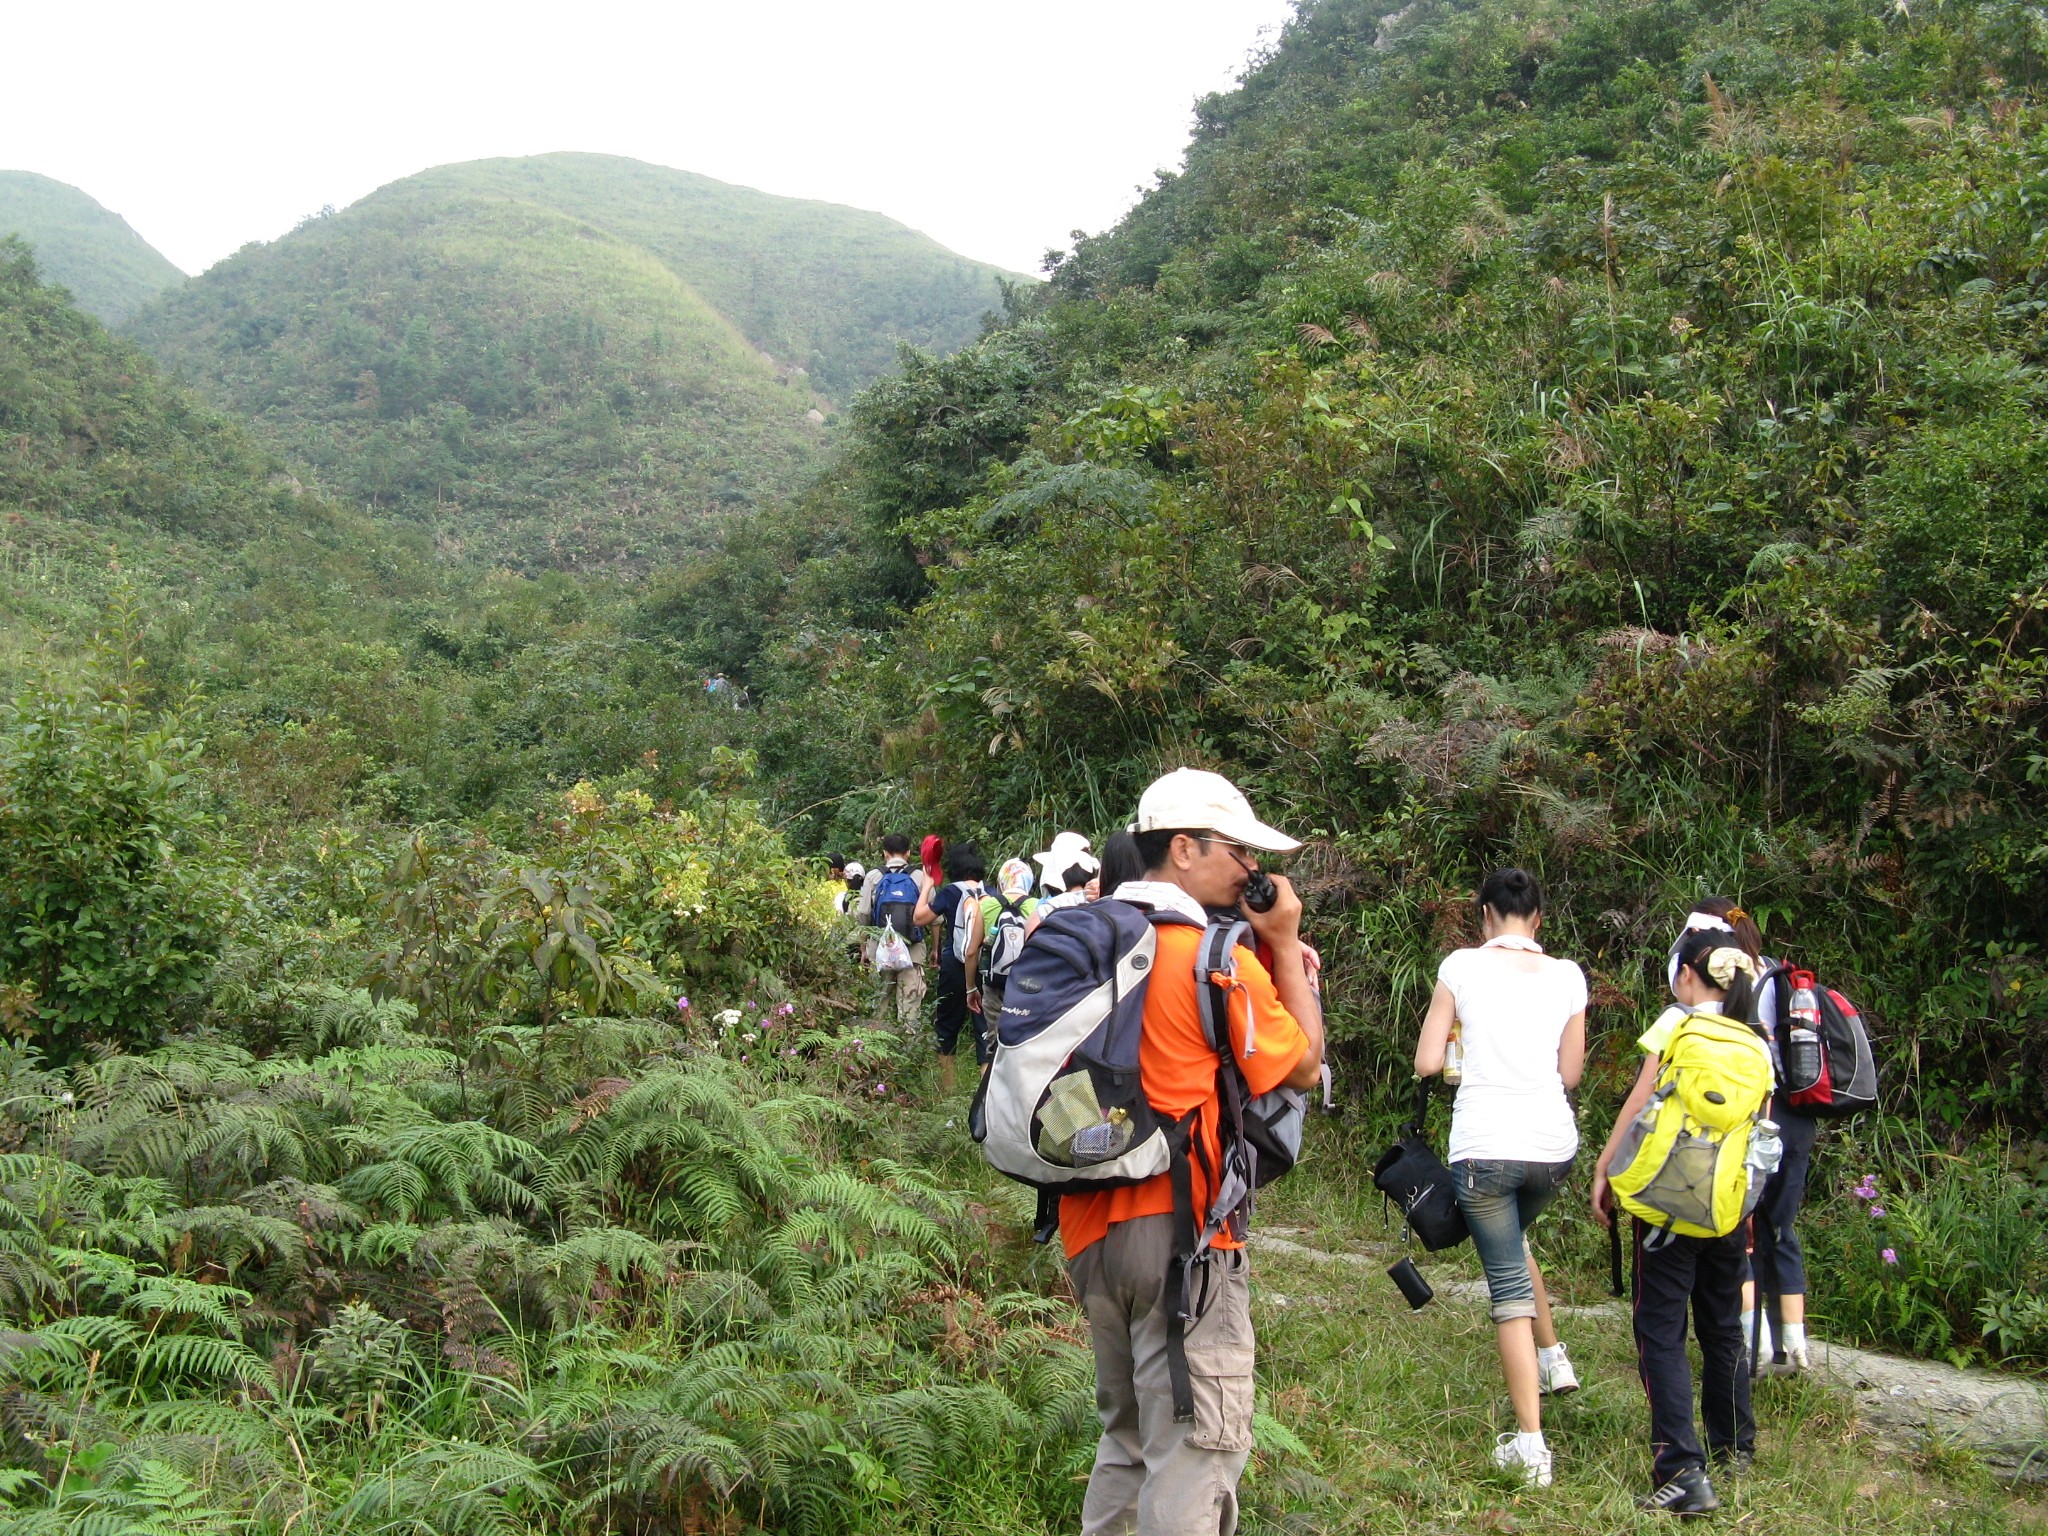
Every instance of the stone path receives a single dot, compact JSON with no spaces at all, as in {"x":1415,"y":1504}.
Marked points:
{"x":1905,"y":1405}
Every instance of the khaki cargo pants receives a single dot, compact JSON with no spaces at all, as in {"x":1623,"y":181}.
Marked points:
{"x":1154,"y":1476}
{"x":899,"y":992}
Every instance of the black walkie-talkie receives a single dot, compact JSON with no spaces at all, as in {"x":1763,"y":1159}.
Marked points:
{"x":1259,"y":892}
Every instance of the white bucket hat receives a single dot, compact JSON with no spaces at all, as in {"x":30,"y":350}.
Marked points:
{"x":1067,"y":850}
{"x":1194,"y":800}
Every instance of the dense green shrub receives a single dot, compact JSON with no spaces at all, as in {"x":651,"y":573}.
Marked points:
{"x":117,"y":893}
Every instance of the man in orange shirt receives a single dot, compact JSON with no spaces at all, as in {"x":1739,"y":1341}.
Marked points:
{"x":1154,"y":1475}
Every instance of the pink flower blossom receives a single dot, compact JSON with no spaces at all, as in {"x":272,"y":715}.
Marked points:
{"x":682,"y":1005}
{"x":1890,"y":1256}
{"x":881,"y":1089}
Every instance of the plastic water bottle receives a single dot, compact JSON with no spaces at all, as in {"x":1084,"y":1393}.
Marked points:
{"x":1802,"y":1050}
{"x":1454,"y":1054}
{"x":1766,"y":1151}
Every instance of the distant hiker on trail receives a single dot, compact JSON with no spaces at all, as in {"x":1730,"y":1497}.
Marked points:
{"x":887,"y":908}
{"x":1006,"y":915}
{"x":957,"y":904}
{"x":1198,"y":840}
{"x":1067,"y":869}
{"x":1507,"y":1025}
{"x":1706,"y":1078}
{"x":845,"y":902}
{"x":852,"y":877}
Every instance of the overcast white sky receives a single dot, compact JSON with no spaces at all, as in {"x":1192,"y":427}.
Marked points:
{"x":995,"y":130}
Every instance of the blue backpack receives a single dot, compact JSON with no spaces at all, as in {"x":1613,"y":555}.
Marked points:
{"x":897,"y":894}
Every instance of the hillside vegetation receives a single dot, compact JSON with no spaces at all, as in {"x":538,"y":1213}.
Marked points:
{"x":1601,"y":437}
{"x":111,"y":270}
{"x":563,"y":363}
{"x":1606,"y":438}
{"x":832,"y":290}
{"x":532,"y":390}
{"x":344,"y":668}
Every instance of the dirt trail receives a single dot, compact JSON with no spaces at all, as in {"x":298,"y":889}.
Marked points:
{"x":1905,"y":1405}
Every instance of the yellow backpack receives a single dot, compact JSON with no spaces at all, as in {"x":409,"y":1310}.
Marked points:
{"x":1693,"y":1164}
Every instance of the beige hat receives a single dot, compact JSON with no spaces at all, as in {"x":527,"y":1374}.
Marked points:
{"x":1192,"y":800}
{"x":1067,"y":850}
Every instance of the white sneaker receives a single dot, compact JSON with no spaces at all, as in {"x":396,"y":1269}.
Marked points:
{"x":1534,"y":1470}
{"x":1556,"y":1376}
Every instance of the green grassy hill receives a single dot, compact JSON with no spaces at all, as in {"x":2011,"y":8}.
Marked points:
{"x":345,"y":670}
{"x":534,"y":390}
{"x":111,"y":270}
{"x":828,"y":289}
{"x":570,"y":362}
{"x":115,"y":476}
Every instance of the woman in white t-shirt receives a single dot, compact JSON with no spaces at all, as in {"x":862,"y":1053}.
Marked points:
{"x":1522,"y":1023}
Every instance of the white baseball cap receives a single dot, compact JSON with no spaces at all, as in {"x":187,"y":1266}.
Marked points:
{"x":1067,"y":850}
{"x":1194,"y":800}
{"x":855,"y":869}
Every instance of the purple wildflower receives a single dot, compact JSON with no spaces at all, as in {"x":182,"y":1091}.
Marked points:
{"x":682,"y":1005}
{"x":881,"y":1089}
{"x":1877,"y":1211}
{"x":1890,"y":1256}
{"x":1867,"y":1189}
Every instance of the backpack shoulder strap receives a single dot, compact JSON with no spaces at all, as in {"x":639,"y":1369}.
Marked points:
{"x":1216,"y":983}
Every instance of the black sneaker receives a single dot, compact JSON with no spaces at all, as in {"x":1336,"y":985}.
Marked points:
{"x":1688,"y":1493}
{"x":1735,"y":1463}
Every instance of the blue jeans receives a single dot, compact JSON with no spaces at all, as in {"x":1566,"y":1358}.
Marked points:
{"x":1501,"y":1199}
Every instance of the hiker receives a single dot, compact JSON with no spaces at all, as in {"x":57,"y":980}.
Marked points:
{"x":1069,"y":868}
{"x":1198,"y":841}
{"x":1776,"y":1260}
{"x":1520,"y":1018}
{"x":957,"y":904}
{"x":1713,"y":977}
{"x":1121,"y":862}
{"x":890,"y":896}
{"x":852,"y":878}
{"x":1007,"y":913}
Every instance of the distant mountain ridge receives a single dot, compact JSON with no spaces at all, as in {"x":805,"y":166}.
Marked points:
{"x":569,"y":362}
{"x":91,"y":250}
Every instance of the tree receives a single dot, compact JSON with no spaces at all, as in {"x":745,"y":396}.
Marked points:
{"x":115,"y":896}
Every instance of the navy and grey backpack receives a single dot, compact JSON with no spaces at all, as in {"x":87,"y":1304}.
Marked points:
{"x":1061,"y":1108}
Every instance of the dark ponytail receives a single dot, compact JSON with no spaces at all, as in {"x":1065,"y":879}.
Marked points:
{"x":1512,"y":893}
{"x":1696,"y":954}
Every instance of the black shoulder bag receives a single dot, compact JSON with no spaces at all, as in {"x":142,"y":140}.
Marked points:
{"x":1410,"y":1174}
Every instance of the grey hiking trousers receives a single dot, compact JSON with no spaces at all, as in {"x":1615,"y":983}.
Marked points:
{"x":1154,"y":1476}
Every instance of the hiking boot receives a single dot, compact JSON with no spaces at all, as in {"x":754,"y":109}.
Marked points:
{"x":1532,"y":1468}
{"x":1688,"y":1493}
{"x":1556,"y":1376}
